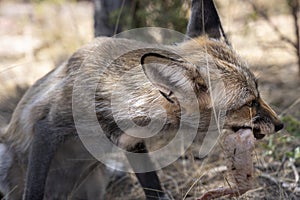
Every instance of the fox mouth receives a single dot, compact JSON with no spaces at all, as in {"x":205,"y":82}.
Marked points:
{"x":256,"y":131}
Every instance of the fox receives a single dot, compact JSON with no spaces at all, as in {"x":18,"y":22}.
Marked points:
{"x":169,"y":82}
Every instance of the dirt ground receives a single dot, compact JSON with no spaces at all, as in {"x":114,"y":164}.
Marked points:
{"x":36,"y":37}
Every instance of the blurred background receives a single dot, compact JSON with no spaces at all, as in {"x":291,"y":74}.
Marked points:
{"x":37,"y":35}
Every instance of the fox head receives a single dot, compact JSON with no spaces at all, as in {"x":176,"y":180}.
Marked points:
{"x":218,"y":77}
{"x":256,"y":115}
{"x":211,"y":60}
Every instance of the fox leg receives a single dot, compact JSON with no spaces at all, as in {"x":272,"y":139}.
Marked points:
{"x":42,"y":151}
{"x":149,"y":180}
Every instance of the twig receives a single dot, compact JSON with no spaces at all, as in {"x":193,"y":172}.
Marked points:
{"x":284,"y":159}
{"x":119,"y":16}
{"x":279,"y":182}
{"x":273,"y":26}
{"x":294,"y":7}
{"x":174,"y":181}
{"x":291,"y":106}
{"x":295,"y":173}
{"x":269,"y":177}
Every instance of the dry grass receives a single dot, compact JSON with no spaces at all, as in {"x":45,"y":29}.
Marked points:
{"x":36,"y":37}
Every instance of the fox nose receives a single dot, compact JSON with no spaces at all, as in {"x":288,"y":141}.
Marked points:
{"x":278,"y":127}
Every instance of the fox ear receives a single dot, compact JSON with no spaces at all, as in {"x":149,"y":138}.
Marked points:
{"x":168,"y":75}
{"x":204,"y":19}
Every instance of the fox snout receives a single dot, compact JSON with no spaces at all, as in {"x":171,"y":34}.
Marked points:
{"x":266,"y":120}
{"x":256,"y":115}
{"x":279,"y":126}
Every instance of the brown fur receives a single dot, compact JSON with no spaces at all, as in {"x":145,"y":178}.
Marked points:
{"x":198,"y":62}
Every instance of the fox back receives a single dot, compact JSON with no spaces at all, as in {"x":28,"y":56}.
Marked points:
{"x":145,"y":76}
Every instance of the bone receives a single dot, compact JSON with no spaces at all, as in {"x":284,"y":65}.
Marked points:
{"x":238,"y":148}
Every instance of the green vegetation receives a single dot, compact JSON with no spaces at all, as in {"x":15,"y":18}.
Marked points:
{"x":292,"y":125}
{"x":287,"y":142}
{"x":171,"y":14}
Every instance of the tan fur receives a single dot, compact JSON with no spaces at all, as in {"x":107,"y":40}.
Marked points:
{"x":200,"y":61}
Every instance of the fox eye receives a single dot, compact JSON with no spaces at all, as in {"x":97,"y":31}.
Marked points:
{"x":253,"y":103}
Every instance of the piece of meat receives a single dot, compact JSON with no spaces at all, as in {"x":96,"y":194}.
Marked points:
{"x":238,"y":148}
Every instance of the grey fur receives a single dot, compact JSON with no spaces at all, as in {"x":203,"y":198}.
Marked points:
{"x":48,"y":103}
